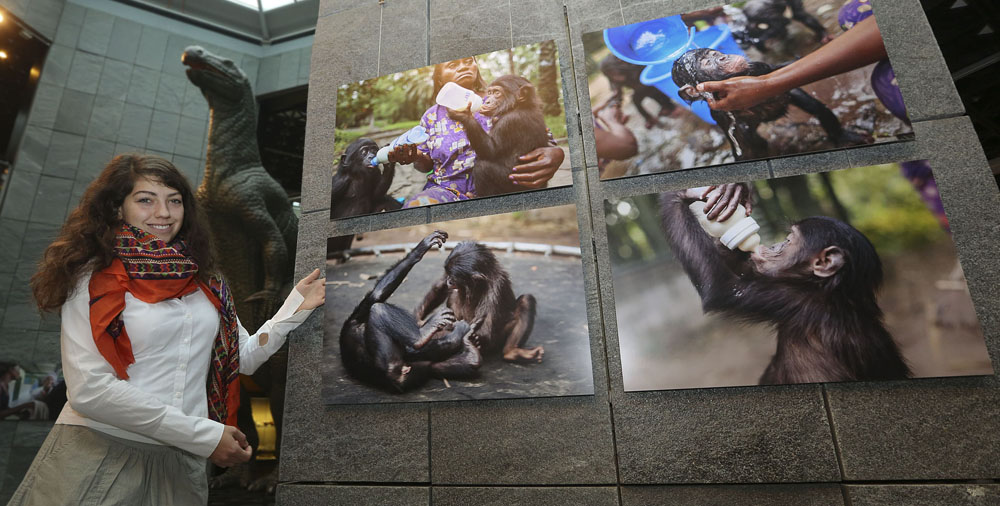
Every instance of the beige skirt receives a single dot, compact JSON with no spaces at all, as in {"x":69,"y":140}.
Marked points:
{"x":81,"y":466}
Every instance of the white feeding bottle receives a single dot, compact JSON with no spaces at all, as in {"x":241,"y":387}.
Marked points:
{"x":415,"y":135}
{"x":739,"y":231}
{"x":456,"y":97}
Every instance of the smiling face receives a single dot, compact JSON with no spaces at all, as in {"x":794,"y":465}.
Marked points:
{"x":464,"y":72}
{"x":155,"y":208}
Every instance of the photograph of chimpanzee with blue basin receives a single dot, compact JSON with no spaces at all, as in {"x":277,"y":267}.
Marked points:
{"x":477,"y":126}
{"x":848,"y":275}
{"x":746,"y":81}
{"x":478,"y":308}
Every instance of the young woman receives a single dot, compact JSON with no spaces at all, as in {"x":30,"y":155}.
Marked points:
{"x":448,"y":157}
{"x":151,"y":345}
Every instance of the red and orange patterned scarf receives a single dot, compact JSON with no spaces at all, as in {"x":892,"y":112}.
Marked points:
{"x":153,"y":271}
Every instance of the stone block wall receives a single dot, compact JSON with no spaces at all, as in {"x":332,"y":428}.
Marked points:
{"x":931,"y":441}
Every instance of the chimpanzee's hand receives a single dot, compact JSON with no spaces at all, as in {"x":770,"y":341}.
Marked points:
{"x":435,"y":239}
{"x":404,"y":154}
{"x":461,"y":115}
{"x":542,"y":164}
{"x":721,"y":200}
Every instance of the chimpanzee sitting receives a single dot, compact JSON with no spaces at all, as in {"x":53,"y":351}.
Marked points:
{"x":818,"y":288}
{"x":382,"y":344}
{"x":766,"y":20}
{"x":518,"y":127}
{"x":624,"y":74}
{"x":702,"y":65}
{"x":477,"y":288}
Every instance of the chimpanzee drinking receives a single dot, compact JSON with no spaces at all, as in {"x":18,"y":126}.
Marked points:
{"x":518,"y":127}
{"x":477,"y":288}
{"x":702,"y":65}
{"x":383,"y":345}
{"x":622,"y":74}
{"x":359,"y":188}
{"x":818,"y":288}
{"x":766,"y":20}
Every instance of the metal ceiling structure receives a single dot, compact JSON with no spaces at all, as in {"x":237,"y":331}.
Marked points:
{"x":258,"y":21}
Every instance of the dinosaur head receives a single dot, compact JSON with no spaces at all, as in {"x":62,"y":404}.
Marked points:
{"x":220,"y":80}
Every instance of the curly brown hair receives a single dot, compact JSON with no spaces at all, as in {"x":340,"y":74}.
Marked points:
{"x":87,"y":238}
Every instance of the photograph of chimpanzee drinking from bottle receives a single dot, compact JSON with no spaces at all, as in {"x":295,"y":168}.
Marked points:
{"x":479,"y":126}
{"x":837,"y":276}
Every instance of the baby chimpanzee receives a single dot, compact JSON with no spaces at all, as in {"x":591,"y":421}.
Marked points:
{"x":702,"y":65}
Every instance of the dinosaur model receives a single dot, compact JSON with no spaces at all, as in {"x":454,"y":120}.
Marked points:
{"x":253,"y":226}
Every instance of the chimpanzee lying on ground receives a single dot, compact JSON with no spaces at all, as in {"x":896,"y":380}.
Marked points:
{"x":818,"y":288}
{"x":383,"y":345}
{"x":702,"y":65}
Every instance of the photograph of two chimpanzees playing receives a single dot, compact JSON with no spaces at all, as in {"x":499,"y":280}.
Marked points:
{"x":828,"y":276}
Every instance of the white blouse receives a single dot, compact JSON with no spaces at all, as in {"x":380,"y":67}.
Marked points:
{"x":164,"y":400}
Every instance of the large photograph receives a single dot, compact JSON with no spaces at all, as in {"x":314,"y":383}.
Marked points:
{"x":745,"y":81}
{"x":848,"y":275}
{"x":479,"y":308}
{"x":478,"y":126}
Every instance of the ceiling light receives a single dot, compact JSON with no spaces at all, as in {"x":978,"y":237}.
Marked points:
{"x":3,"y":55}
{"x":1,"y":17}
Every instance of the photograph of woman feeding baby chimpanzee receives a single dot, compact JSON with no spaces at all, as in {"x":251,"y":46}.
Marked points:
{"x":474,"y":127}
{"x":479,"y":308}
{"x":804,"y":279}
{"x":751,"y":80}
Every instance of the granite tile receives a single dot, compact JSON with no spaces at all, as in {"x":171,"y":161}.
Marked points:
{"x":74,"y":112}
{"x":85,"y":72}
{"x":965,"y":494}
{"x":525,"y":496}
{"x":163,"y":131}
{"x":45,"y":106}
{"x":95,"y":156}
{"x":152,"y":46}
{"x":37,"y":237}
{"x":64,"y":155}
{"x":58,"y":61}
{"x":635,"y":11}
{"x":191,"y":136}
{"x":11,"y":235}
{"x":461,"y":28}
{"x":918,"y":429}
{"x":192,"y":168}
{"x":135,"y":125}
{"x":19,"y":341}
{"x":176,"y":44}
{"x":115,"y":79}
{"x":105,"y":118}
{"x":142,"y":87}
{"x":43,"y":15}
{"x":727,"y":435}
{"x":70,"y":24}
{"x":526,"y":442}
{"x":47,"y":348}
{"x":20,"y":194}
{"x":923,"y":76}
{"x":125,"y":38}
{"x":403,"y":43}
{"x":51,"y":199}
{"x":33,"y":149}
{"x":170,"y":93}
{"x":194,"y":104}
{"x":759,"y":495}
{"x":31,"y":434}
{"x":305,"y":55}
{"x":322,"y":495}
{"x":95,"y":34}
